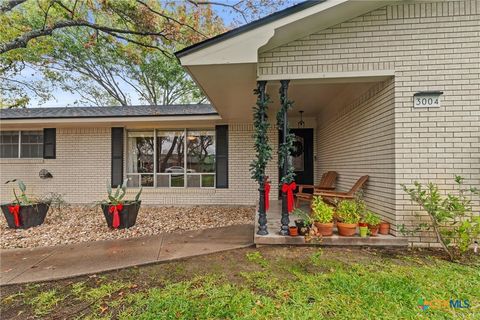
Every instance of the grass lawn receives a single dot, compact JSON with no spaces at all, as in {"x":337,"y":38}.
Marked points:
{"x":265,"y":283}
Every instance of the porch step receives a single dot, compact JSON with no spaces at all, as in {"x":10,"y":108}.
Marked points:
{"x":335,"y":240}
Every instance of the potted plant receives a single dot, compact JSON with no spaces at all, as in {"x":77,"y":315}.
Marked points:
{"x":24,"y":212}
{"x":348,"y":216}
{"x":322,"y":216}
{"x":373,"y":222}
{"x":118,"y":212}
{"x":384,"y":228}
{"x":293,"y":231}
{"x":304,"y":222}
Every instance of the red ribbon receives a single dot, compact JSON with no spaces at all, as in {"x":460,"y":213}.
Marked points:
{"x":288,"y":189}
{"x":115,"y":210}
{"x":267,"y":196}
{"x":15,"y":210}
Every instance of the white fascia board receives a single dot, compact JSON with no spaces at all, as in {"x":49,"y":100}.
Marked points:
{"x":244,"y":47}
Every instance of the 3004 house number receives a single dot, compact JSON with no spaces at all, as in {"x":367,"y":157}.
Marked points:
{"x":427,"y":100}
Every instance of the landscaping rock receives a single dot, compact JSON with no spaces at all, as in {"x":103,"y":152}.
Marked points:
{"x":76,"y":224}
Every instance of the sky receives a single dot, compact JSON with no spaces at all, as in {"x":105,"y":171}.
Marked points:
{"x":64,"y":99}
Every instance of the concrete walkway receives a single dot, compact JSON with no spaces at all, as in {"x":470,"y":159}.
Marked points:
{"x":50,"y":263}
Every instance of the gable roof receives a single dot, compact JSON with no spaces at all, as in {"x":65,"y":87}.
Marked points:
{"x":247,"y":27}
{"x":108,"y":112}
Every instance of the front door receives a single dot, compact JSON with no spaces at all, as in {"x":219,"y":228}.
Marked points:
{"x":301,"y":155}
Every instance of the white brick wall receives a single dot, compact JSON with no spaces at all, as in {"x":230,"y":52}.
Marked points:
{"x":82,"y":168}
{"x":429,"y":46}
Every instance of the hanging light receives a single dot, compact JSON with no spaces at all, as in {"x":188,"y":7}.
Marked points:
{"x":301,"y":123}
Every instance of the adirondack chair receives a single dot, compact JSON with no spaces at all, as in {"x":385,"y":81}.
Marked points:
{"x":327,"y":182}
{"x":331,"y":196}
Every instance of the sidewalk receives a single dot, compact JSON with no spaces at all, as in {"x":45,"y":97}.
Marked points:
{"x":50,"y":263}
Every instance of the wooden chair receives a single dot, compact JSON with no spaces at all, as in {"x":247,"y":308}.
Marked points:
{"x":327,"y":182}
{"x":331,"y":196}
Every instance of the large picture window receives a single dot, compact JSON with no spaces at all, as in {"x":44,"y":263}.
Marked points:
{"x":21,"y":144}
{"x":171,"y":158}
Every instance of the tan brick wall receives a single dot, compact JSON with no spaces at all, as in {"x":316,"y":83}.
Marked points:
{"x":365,"y":148}
{"x":82,"y":168}
{"x":430,"y":46}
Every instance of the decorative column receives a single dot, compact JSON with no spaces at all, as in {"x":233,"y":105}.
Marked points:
{"x":288,"y":184}
{"x":263,"y":151}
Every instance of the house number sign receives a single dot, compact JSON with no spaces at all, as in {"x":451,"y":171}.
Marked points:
{"x":427,"y":99}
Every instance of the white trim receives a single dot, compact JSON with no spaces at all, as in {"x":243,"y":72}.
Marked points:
{"x":337,"y":76}
{"x":112,"y":120}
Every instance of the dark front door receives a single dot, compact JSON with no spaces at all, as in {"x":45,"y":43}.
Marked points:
{"x":302,"y":155}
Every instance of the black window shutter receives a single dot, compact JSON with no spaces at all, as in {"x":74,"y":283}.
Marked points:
{"x":117,"y":156}
{"x":49,"y":143}
{"x":221,"y":152}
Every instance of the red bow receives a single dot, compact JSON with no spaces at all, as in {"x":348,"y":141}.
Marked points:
{"x":288,"y":189}
{"x":116,"y":209}
{"x":15,"y":210}
{"x":267,"y":196}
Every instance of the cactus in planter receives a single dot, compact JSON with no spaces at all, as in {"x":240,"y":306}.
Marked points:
{"x":120,"y":213}
{"x":24,"y":212}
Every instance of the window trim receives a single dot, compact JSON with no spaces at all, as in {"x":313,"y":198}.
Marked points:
{"x":185,"y":159}
{"x":19,"y":132}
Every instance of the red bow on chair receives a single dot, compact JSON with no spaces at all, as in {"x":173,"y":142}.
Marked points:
{"x":15,"y":210}
{"x":288,"y":189}
{"x":267,"y":196}
{"x":115,"y":210}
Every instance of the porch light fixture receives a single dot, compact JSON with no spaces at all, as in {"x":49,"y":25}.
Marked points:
{"x":301,"y":123}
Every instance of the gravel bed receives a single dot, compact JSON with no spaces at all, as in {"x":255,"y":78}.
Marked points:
{"x":81,"y":224}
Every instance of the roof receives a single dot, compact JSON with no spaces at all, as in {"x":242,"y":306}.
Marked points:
{"x":247,"y":27}
{"x":109,"y":112}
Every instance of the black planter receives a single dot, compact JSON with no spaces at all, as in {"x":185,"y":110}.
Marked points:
{"x":30,"y":216}
{"x":128,"y":215}
{"x":302,"y":227}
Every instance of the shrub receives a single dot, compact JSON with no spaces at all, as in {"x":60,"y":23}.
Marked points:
{"x":371,"y":218}
{"x":347,"y":211}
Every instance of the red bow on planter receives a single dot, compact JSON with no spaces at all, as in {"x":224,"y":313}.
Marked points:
{"x":288,"y":189}
{"x":15,"y":210}
{"x":115,"y":210}
{"x":267,"y":196}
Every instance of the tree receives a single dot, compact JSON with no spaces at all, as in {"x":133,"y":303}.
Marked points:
{"x":98,"y":48}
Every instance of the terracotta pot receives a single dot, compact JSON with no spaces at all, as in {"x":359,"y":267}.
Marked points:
{"x":384,"y":228}
{"x":293,"y":231}
{"x":324,"y":229}
{"x":362,"y":224}
{"x":373,"y":230}
{"x":346,"y":229}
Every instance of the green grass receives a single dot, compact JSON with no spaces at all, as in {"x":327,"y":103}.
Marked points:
{"x":293,"y":283}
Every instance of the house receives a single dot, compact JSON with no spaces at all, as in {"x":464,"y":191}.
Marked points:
{"x":385,"y":88}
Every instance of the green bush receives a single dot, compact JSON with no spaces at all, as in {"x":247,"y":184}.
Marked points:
{"x":322,"y":212}
{"x":347,"y":211}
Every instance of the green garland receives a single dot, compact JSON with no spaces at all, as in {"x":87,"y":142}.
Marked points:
{"x":262,"y":147}
{"x":285,"y":148}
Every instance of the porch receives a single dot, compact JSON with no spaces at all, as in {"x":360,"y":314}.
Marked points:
{"x":274,"y":238}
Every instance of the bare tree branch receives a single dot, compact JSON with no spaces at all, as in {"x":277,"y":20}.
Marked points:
{"x":9,"y":5}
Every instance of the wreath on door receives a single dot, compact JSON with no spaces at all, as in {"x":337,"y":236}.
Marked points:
{"x":297,"y":149}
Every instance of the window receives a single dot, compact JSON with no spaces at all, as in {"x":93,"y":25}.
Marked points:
{"x":171,"y":158}
{"x":140,"y":148}
{"x":21,"y":144}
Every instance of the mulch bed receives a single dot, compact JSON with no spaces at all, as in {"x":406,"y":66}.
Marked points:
{"x":77,"y":224}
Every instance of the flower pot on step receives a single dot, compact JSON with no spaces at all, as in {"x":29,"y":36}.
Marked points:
{"x":384,"y":228}
{"x":127,"y":214}
{"x":302,"y":227}
{"x":27,"y":216}
{"x":346,"y":229}
{"x":293,"y":231}
{"x":363,"y":231}
{"x":373,"y":230}
{"x":324,"y":229}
